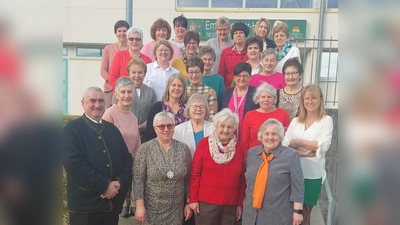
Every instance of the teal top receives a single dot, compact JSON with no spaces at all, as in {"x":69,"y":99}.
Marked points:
{"x":215,"y":82}
{"x":198,"y":136}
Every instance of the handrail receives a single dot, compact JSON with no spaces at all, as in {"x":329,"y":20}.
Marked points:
{"x":329,"y":216}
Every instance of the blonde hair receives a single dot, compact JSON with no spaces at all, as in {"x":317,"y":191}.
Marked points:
{"x":280,"y":26}
{"x":255,"y":31}
{"x":166,"y":44}
{"x":314,"y":90}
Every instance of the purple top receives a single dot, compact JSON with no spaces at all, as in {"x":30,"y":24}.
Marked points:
{"x":179,"y":117}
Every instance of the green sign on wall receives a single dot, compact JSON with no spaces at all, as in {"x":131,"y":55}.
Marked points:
{"x":206,"y":27}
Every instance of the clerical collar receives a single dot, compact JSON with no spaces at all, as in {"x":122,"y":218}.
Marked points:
{"x":94,"y":121}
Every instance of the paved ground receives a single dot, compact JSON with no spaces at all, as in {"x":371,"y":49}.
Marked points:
{"x":316,"y":218}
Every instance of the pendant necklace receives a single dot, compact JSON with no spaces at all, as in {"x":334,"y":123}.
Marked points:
{"x":170,"y":174}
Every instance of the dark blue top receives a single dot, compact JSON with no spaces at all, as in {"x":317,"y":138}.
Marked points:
{"x":270,"y":43}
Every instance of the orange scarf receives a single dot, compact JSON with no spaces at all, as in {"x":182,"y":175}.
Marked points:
{"x":260,"y":184}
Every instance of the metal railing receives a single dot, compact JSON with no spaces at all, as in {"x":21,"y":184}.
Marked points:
{"x":327,"y":78}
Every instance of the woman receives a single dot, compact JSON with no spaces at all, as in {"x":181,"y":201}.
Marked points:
{"x":159,"y":71}
{"x":239,"y":99}
{"x":289,"y":96}
{"x":160,"y":30}
{"x":209,"y":78}
{"x":161,"y":176}
{"x":145,"y":97}
{"x":280,"y":32}
{"x":235,"y":54}
{"x":121,"y":116}
{"x":269,"y":74}
{"x":222,"y":41}
{"x":195,"y":68}
{"x":193,"y":130}
{"x":265,"y":96}
{"x":191,"y":40}
{"x":216,"y":178}
{"x":121,"y":58}
{"x":173,"y":101}
{"x":310,"y":135}
{"x":120,"y":28}
{"x":274,"y":181}
{"x":254,"y":48}
{"x":261,"y":30}
{"x":180,"y":26}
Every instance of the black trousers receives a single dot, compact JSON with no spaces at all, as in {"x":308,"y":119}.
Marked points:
{"x":95,"y":218}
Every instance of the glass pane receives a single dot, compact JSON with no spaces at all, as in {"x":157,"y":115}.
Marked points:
{"x":296,"y":4}
{"x":88,"y":52}
{"x":192,"y":3}
{"x":329,"y":65}
{"x":333,"y":4}
{"x":227,"y":4}
{"x":261,"y":3}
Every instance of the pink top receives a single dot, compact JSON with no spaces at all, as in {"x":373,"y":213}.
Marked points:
{"x":106,"y":61}
{"x":127,"y":123}
{"x":148,"y":48}
{"x":231,"y":106}
{"x":276,"y":80}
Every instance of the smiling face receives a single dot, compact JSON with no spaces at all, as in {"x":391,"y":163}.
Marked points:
{"x":195,"y":75}
{"x":161,"y":33}
{"x":292,"y":76}
{"x":253,"y":51}
{"x":242,"y":80}
{"x":269,"y":63}
{"x":179,"y":30}
{"x":191,"y":47}
{"x":270,"y":137}
{"x":262,"y":29}
{"x":222,"y":32}
{"x":280,"y":39}
{"x":311,"y":102}
{"x":163,"y":53}
{"x":121,"y":34}
{"x":136,"y":74}
{"x":176,"y":89}
{"x":94,"y":104}
{"x":135,"y":42}
{"x":197,"y":110}
{"x":266,"y":101}
{"x":162,"y":131}
{"x":125,"y":96}
{"x":208,"y":61}
{"x":225,"y":129}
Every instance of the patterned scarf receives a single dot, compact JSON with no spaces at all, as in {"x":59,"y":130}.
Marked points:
{"x":185,"y":58}
{"x":219,"y":153}
{"x":285,"y":50}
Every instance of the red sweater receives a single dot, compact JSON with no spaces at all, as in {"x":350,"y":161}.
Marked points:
{"x":220,"y":184}
{"x":229,"y":59}
{"x":253,"y":121}
{"x":119,"y":64}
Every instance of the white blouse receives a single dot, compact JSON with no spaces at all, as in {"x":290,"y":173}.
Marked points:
{"x":320,"y":131}
{"x":156,"y":78}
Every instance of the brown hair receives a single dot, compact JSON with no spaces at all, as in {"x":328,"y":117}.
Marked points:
{"x":207,"y":50}
{"x":314,"y":90}
{"x":159,"y":24}
{"x":139,"y":62}
{"x":171,"y":78}
{"x":163,"y":42}
{"x":280,"y":26}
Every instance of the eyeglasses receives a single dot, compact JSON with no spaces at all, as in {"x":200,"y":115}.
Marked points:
{"x":198,"y":72}
{"x":238,"y":32}
{"x":198,"y":107}
{"x":291,"y":74}
{"x":169,"y":126}
{"x":222,"y":30}
{"x":163,"y":50}
{"x":135,"y":39}
{"x":192,"y":43}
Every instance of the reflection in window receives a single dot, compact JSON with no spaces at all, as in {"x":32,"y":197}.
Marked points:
{"x":261,"y":4}
{"x":92,"y":52}
{"x":192,"y":3}
{"x":329,"y":65}
{"x":296,"y":4}
{"x":332,"y":4}
{"x":227,"y":3}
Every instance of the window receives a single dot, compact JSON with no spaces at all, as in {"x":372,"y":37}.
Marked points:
{"x":329,"y":64}
{"x":89,"y":51}
{"x":261,"y":4}
{"x":306,"y":4}
{"x":227,"y":3}
{"x":193,"y":3}
{"x":65,"y":51}
{"x":332,"y":4}
{"x":255,"y":4}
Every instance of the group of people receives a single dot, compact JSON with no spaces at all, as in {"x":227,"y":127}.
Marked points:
{"x":189,"y":142}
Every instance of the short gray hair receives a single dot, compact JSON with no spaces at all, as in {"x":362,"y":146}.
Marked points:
{"x":265,"y":87}
{"x":221,"y":21}
{"x":122,"y":82}
{"x":223,"y":115}
{"x":94,"y":88}
{"x":271,"y":122}
{"x":269,"y":51}
{"x":163,"y":116}
{"x":133,"y":30}
{"x":196,"y":97}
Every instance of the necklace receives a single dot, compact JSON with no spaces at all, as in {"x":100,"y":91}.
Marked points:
{"x":170,"y":174}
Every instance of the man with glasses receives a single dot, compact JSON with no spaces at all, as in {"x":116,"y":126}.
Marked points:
{"x":98,"y":165}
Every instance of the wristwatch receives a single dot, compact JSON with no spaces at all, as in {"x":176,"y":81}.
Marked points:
{"x":298,"y":211}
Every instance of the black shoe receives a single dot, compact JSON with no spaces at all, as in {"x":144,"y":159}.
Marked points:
{"x":124,"y":212}
{"x":132,"y":211}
